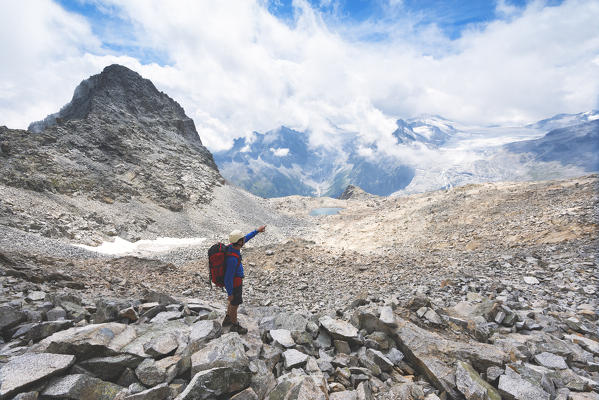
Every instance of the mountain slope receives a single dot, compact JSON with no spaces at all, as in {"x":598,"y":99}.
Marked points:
{"x":118,"y":138}
{"x":577,"y":145}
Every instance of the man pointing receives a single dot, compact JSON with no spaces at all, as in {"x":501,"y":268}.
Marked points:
{"x":234,"y":277}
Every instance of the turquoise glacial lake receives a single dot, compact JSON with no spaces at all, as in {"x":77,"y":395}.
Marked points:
{"x":325,"y":211}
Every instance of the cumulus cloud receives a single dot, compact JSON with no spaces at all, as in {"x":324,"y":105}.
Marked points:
{"x":239,"y":69}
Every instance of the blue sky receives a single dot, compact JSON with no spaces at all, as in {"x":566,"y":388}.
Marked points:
{"x":452,"y":17}
{"x":325,"y":66}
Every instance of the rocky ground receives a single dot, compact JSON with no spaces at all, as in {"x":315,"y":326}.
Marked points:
{"x":483,"y":291}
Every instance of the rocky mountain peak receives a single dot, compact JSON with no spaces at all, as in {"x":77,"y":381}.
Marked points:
{"x":120,"y":95}
{"x":119,"y":138}
{"x":355,"y":193}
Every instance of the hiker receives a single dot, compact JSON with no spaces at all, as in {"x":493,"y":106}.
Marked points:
{"x":234,"y":277}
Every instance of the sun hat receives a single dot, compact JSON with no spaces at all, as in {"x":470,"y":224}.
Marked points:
{"x":235,"y":236}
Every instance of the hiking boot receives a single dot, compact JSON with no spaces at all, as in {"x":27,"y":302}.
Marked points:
{"x":239,"y":329}
{"x":227,"y":321}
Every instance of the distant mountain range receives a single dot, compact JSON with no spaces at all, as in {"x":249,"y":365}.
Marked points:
{"x":283,"y":162}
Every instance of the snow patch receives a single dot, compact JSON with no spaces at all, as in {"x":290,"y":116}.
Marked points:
{"x":122,"y":247}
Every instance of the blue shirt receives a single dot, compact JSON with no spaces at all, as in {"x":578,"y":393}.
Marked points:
{"x":233,"y":270}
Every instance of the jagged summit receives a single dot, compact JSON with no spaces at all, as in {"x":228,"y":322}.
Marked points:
{"x":353,"y":192}
{"x":118,"y":138}
{"x":120,"y":95}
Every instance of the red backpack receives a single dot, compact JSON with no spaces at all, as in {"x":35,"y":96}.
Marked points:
{"x":217,"y":257}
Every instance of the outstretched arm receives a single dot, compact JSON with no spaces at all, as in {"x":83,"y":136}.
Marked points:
{"x":254,"y":233}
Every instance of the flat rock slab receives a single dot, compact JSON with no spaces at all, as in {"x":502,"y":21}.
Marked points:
{"x":282,"y":337}
{"x":89,"y":341}
{"x":339,"y":329}
{"x":28,"y":369}
{"x":111,"y":368}
{"x":294,"y":358}
{"x":81,"y":386}
{"x":215,"y":382}
{"x":226,"y":351}
{"x":160,"y":392}
{"x":434,"y":356}
{"x":514,"y":387}
{"x":202,"y":332}
{"x":166,"y":316}
{"x":550,"y":360}
{"x":472,"y":385}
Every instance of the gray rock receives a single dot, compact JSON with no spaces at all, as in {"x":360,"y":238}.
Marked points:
{"x":90,"y":341}
{"x":387,"y":316}
{"x":493,"y":373}
{"x":379,"y":358}
{"x":28,"y":369}
{"x":161,"y":346}
{"x":344,"y":395}
{"x":55,"y":314}
{"x":263,"y":380}
{"x":434,"y":356}
{"x":41,"y":330}
{"x":129,"y":313}
{"x":294,"y":387}
{"x":35,"y":295}
{"x":166,"y":316}
{"x":294,"y":358}
{"x":323,"y":340}
{"x":151,"y":372}
{"x":550,"y":360}
{"x":342,"y":346}
{"x":395,"y":356}
{"x":106,"y":311}
{"x":227,"y":351}
{"x":75,"y":312}
{"x":159,"y":392}
{"x":282,"y":337}
{"x":148,"y":332}
{"x":247,"y":394}
{"x":153,"y":296}
{"x":81,"y":386}
{"x":586,"y":343}
{"x":514,"y":387}
{"x":202,"y":332}
{"x":364,"y":391}
{"x":111,"y":368}
{"x":531,"y":280}
{"x":27,"y":396}
{"x":469,"y":382}
{"x":215,"y":382}
{"x":339,"y":329}
{"x":10,"y":317}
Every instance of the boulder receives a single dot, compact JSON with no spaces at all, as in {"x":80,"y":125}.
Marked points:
{"x":282,"y":337}
{"x":75,"y":312}
{"x":161,"y":346}
{"x":129,"y":313}
{"x":148,"y":332}
{"x":202,"y":332}
{"x":10,"y":316}
{"x":387,"y":316}
{"x":56,"y":313}
{"x":340,"y":329}
{"x":106,"y":311}
{"x":81,"y":386}
{"x":469,"y":382}
{"x":215,"y":382}
{"x":344,"y":395}
{"x":111,"y":368}
{"x":247,"y":394}
{"x":89,"y":341}
{"x":514,"y":387}
{"x":227,"y":351}
{"x":151,"y":372}
{"x":294,"y":358}
{"x":263,"y":380}
{"x":550,"y":360}
{"x":379,"y":358}
{"x":166,"y":316}
{"x":294,"y":387}
{"x":28,"y":369}
{"x":27,"y":396}
{"x":40,"y":330}
{"x":153,"y":296}
{"x":158,"y":392}
{"x":364,"y":391}
{"x":434,"y":356}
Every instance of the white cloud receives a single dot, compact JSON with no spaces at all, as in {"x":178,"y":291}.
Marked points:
{"x":239,"y":69}
{"x":280,"y":152}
